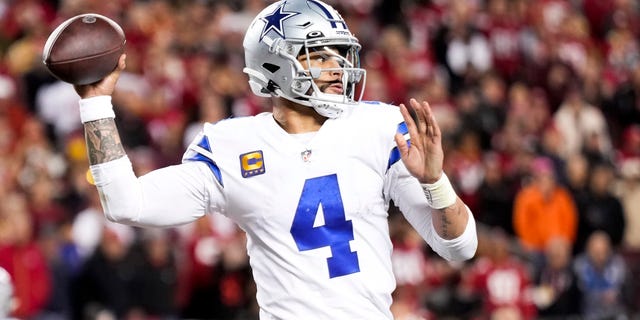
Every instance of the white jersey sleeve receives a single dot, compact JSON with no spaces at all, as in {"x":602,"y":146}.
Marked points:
{"x":409,"y":197}
{"x":165,"y":197}
{"x":406,"y":192}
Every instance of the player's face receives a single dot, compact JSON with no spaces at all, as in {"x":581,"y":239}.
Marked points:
{"x":329,"y":61}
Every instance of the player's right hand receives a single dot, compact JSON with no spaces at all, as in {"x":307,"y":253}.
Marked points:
{"x":424,"y":156}
{"x":104,"y":87}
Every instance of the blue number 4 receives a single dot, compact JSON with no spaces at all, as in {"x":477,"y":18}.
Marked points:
{"x":336,"y":232}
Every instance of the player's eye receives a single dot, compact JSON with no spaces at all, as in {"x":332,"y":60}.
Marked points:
{"x":321,"y":58}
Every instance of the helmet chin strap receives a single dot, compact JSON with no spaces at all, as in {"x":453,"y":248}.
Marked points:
{"x":324,"y":107}
{"x":326,"y":104}
{"x":327,"y":108}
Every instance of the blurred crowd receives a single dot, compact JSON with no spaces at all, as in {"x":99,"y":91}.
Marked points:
{"x":538,"y":101}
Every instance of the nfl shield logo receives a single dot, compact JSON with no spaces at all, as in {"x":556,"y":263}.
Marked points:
{"x":306,"y":155}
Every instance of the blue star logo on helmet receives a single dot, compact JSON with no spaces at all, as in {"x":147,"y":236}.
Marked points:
{"x":273,"y":21}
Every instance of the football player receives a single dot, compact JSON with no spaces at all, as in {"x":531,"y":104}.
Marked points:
{"x":310,"y":182}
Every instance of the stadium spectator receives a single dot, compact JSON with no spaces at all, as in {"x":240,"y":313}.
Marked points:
{"x":550,"y":145}
{"x":155,"y":276}
{"x":495,"y":196}
{"x":503,"y":22}
{"x":202,"y":271}
{"x":544,"y":210}
{"x":492,"y":110}
{"x":578,"y":122}
{"x":603,"y":279}
{"x":22,"y":257}
{"x":392,"y":59}
{"x":628,"y":186}
{"x":441,"y":103}
{"x":55,"y":106}
{"x":576,"y":175}
{"x":461,"y":47}
{"x":556,"y":293}
{"x":501,"y":280}
{"x":63,"y":262}
{"x":601,"y":210}
{"x":105,"y":284}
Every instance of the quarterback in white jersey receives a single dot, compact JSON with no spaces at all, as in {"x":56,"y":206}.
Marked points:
{"x":310,"y":183}
{"x":315,"y":208}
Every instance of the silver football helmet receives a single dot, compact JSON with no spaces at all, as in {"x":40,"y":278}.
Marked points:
{"x":289,"y":29}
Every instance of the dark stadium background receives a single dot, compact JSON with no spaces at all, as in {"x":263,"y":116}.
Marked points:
{"x":522,"y":89}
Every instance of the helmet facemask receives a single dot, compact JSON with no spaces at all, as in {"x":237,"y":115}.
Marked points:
{"x":341,"y":59}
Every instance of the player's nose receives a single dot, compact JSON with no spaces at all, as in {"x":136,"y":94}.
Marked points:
{"x":336,"y":68}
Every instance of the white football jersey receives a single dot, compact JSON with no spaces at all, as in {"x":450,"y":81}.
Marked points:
{"x":315,"y":213}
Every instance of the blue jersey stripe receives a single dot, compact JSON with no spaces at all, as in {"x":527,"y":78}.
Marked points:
{"x":204,"y":143}
{"x":402,"y":128}
{"x":394,"y":156}
{"x":212,"y":165}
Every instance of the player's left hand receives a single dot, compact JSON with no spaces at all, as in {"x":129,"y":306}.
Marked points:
{"x":424,"y":156}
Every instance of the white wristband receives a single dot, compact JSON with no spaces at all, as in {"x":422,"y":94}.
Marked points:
{"x":96,"y":108}
{"x":440,"y":194}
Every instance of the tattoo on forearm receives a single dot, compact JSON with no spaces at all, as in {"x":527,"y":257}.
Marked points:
{"x":103,"y":141}
{"x":445,"y":222}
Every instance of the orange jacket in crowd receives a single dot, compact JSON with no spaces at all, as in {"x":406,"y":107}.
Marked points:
{"x":537,"y":219}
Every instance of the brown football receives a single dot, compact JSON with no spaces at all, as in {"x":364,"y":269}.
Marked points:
{"x":84,"y":49}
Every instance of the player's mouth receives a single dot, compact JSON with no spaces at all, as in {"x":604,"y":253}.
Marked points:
{"x":334,"y":88}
